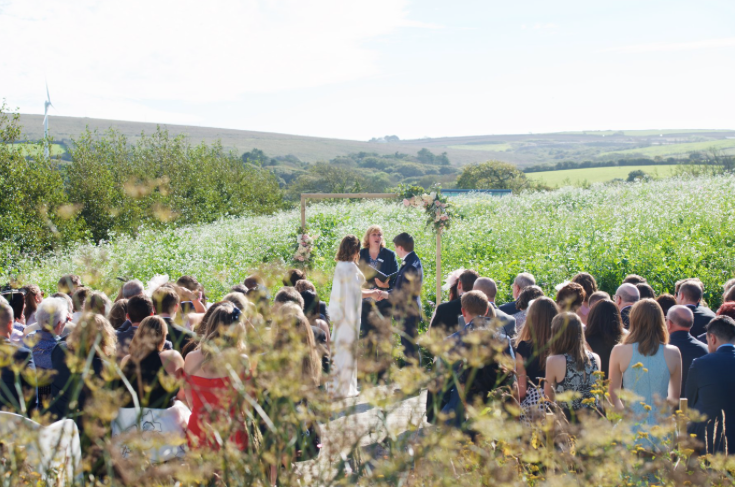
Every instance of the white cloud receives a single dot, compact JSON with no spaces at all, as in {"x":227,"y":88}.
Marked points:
{"x":112,"y":58}
{"x":674,"y":46}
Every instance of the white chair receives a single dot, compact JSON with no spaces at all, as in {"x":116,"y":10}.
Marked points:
{"x":160,"y":433}
{"x":53,"y":451}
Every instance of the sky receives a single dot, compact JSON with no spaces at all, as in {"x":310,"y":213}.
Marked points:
{"x":357,"y":70}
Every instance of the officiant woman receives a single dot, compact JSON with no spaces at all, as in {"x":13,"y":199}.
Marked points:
{"x":374,"y":255}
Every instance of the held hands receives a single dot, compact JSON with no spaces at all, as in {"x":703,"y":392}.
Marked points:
{"x":380,"y":295}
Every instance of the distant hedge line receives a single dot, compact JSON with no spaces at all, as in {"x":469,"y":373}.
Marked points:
{"x":111,"y":186}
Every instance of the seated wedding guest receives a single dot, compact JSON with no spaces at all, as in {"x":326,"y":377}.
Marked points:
{"x":292,"y":277}
{"x":522,"y":280}
{"x":146,"y":364}
{"x":200,"y":329}
{"x":68,"y":283}
{"x":118,"y":313}
{"x":80,"y":294}
{"x":727,"y":309}
{"x":690,"y":295}
{"x":646,"y":291}
{"x":166,"y":301}
{"x":97,"y":302}
{"x":532,"y":348}
{"x":604,"y":330}
{"x":634,"y":279}
{"x":93,"y":336}
{"x":16,"y":299}
{"x":570,"y":297}
{"x":287,"y":294}
{"x":51,"y":315}
{"x":679,"y":320}
{"x":34,"y":296}
{"x":711,"y":388}
{"x":625,"y":297}
{"x":729,"y":295}
{"x":70,"y":312}
{"x":139,"y":308}
{"x":446,"y":316}
{"x":588,"y":283}
{"x":195,"y":293}
{"x":258,"y":294}
{"x":569,"y":366}
{"x":304,"y":285}
{"x":132,"y":288}
{"x":528,"y":294}
{"x":240,"y":288}
{"x":15,"y":361}
{"x":666,"y":301}
{"x":475,"y":382}
{"x":646,"y":365}
{"x":596,"y":297}
{"x":694,"y":280}
{"x":311,"y":311}
{"x":488,"y":287}
{"x":209,"y":385}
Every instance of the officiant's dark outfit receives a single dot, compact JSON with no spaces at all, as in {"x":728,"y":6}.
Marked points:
{"x":375,"y":312}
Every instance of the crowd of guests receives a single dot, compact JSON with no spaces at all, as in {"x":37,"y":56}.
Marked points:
{"x":171,"y":344}
{"x":585,"y":342}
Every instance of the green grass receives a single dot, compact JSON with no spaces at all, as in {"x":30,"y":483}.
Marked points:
{"x":597,"y":174}
{"x":484,"y":147}
{"x":727,"y":145}
{"x":27,"y":148}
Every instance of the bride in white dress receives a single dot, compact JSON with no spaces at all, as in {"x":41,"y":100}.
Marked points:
{"x":345,"y":306}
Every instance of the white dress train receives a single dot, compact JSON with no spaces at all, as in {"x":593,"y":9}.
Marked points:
{"x":345,"y":307}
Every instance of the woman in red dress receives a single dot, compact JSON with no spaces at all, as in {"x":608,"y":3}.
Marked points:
{"x":216,"y":374}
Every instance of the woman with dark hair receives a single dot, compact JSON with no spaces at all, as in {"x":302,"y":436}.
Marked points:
{"x":147,"y":362}
{"x":570,"y":297}
{"x":210,"y":388}
{"x":645,"y":290}
{"x":604,"y":331}
{"x":532,"y":348}
{"x":528,"y":294}
{"x":647,"y":365}
{"x":118,"y":313}
{"x":729,"y":295}
{"x":33,"y":298}
{"x":570,"y":367}
{"x":666,"y":301}
{"x":588,"y":283}
{"x":345,"y":308}
{"x":727,"y":309}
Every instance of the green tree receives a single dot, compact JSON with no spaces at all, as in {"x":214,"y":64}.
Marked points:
{"x":493,"y":175}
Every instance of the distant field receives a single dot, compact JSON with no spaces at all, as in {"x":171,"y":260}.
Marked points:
{"x":597,"y":174}
{"x":483,"y":147}
{"x":644,"y":133}
{"x":31,"y":149}
{"x":678,"y":149}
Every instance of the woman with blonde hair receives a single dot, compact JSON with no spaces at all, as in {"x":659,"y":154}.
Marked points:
{"x":147,"y":363}
{"x":211,"y":388}
{"x":532,"y":347}
{"x":647,"y":365}
{"x":94,"y":337}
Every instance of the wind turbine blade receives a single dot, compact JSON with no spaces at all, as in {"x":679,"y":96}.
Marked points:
{"x":48,"y":97}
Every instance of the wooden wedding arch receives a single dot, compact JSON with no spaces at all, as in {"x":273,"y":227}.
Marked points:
{"x":325,"y":196}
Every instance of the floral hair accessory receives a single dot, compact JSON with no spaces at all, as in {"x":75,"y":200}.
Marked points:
{"x":452,"y":279}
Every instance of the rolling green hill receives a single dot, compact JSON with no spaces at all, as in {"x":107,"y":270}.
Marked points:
{"x":520,"y":149}
{"x":574,"y":177}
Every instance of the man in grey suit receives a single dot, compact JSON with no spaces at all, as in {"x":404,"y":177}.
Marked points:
{"x":488,"y":287}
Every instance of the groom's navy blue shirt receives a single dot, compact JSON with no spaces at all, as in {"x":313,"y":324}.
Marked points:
{"x":410,"y":277}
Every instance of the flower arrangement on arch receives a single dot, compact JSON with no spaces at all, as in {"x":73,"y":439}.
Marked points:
{"x":435,"y":204}
{"x":304,"y":246}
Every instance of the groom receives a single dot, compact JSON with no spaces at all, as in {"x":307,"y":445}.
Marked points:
{"x":405,"y":294}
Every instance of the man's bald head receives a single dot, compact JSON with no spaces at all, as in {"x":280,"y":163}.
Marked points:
{"x":628,"y":293}
{"x":681,"y":316}
{"x":487,"y":287}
